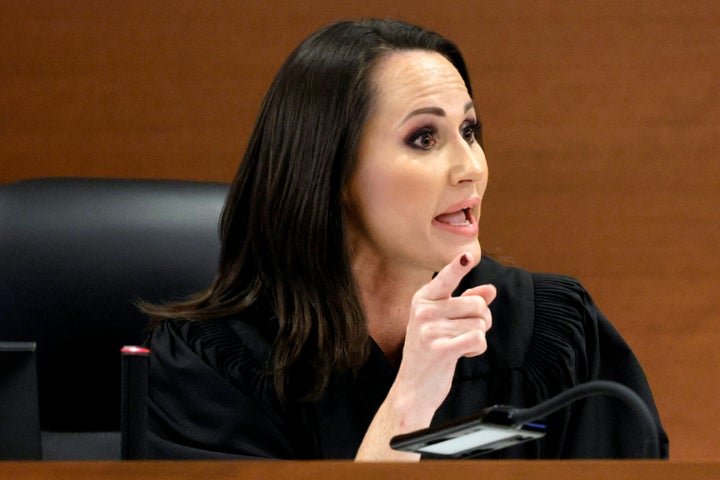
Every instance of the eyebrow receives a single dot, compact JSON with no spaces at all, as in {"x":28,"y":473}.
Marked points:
{"x":433,"y":111}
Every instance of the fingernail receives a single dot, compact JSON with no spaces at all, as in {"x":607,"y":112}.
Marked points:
{"x":464,"y":260}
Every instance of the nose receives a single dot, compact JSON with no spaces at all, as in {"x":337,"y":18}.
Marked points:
{"x":469,"y":164}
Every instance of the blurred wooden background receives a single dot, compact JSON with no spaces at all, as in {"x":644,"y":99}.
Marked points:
{"x":601,"y":120}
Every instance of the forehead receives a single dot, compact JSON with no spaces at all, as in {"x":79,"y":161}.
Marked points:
{"x":416,"y":78}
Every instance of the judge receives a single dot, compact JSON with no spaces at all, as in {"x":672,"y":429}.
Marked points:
{"x":352,"y":300}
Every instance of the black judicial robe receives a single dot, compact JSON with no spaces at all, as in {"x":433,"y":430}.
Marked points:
{"x":209,"y":396}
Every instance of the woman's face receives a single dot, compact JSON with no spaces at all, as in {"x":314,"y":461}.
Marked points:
{"x":414,"y":198}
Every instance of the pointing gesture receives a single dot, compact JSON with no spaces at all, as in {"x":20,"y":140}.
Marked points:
{"x":442,"y":329}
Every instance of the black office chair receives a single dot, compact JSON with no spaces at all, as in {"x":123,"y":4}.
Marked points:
{"x":75,"y":256}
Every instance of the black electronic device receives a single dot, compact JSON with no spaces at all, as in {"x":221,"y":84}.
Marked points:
{"x":491,"y":429}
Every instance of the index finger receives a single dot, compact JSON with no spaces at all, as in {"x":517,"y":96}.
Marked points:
{"x":446,"y":281}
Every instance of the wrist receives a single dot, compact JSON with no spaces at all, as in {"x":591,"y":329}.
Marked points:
{"x":409,"y":410}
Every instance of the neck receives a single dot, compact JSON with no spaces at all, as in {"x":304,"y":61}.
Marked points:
{"x":386,"y":293}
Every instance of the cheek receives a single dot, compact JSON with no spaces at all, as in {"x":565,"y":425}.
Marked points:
{"x":406,"y":186}
{"x":391,"y":199}
{"x":375,"y":195}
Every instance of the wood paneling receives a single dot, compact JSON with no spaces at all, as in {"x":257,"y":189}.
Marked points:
{"x":319,"y":470}
{"x":601,"y":124}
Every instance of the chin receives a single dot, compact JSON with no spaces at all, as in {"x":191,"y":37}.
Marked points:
{"x":473,"y":248}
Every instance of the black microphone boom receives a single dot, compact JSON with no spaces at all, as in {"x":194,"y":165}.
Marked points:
{"x":501,"y":426}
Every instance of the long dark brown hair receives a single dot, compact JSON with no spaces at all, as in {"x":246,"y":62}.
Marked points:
{"x":283,"y":231}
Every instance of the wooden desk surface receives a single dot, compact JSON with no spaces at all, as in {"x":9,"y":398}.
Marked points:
{"x":445,"y":470}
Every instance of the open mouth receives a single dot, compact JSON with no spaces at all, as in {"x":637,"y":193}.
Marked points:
{"x":457,"y":218}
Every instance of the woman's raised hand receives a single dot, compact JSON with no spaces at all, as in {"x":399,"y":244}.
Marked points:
{"x":441,"y":329}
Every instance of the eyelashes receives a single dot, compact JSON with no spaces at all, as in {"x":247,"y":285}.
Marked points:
{"x":474,"y":130}
{"x":426,"y":137}
{"x":423,"y":139}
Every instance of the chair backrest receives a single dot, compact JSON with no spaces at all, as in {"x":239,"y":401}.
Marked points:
{"x":75,"y":256}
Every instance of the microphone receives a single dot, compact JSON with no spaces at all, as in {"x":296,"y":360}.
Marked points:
{"x":501,"y":426}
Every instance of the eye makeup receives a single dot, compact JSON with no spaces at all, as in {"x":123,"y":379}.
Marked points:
{"x":423,"y":138}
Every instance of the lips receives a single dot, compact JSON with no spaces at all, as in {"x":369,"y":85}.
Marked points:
{"x":459,"y":219}
{"x":459,"y":213}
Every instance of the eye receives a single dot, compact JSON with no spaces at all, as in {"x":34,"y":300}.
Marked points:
{"x":471,"y":132}
{"x":423,"y":139}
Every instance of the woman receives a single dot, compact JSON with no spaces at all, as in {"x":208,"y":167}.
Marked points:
{"x":326,"y":330}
